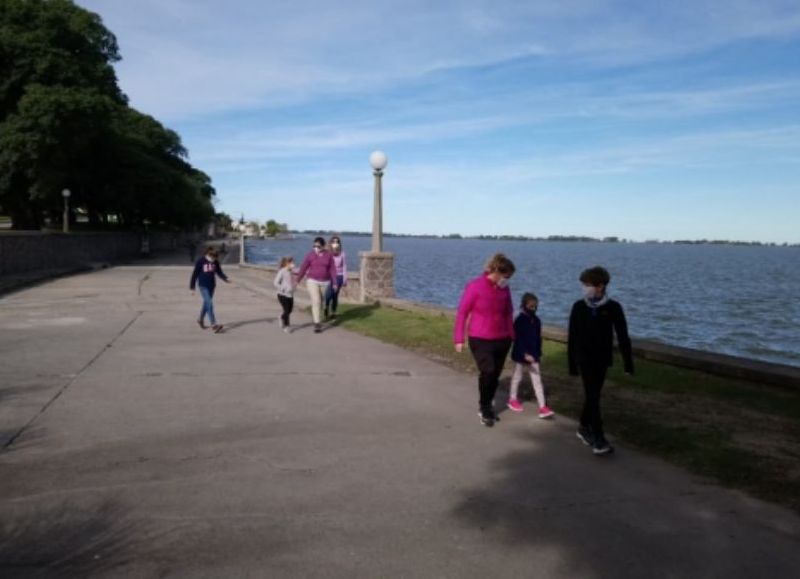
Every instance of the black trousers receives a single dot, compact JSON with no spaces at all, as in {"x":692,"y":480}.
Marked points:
{"x":287,"y":304}
{"x":593,"y":379}
{"x":490,"y":356}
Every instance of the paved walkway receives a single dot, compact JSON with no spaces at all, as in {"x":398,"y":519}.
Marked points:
{"x":145,"y":447}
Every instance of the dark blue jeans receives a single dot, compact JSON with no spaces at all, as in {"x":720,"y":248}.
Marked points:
{"x":332,"y":297}
{"x":208,"y":305}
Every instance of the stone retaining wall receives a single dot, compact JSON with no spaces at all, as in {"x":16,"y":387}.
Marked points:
{"x":22,"y":251}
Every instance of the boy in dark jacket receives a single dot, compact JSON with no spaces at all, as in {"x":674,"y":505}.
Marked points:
{"x":204,"y":275}
{"x":592,"y":323}
{"x":526,"y":353}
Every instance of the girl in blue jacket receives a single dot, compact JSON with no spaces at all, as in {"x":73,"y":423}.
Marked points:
{"x":206,"y":270}
{"x":526,"y":353}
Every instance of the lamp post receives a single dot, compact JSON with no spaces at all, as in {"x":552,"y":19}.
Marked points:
{"x":377,"y":266}
{"x":241,"y":239}
{"x":378,"y":160}
{"x":65,"y":194}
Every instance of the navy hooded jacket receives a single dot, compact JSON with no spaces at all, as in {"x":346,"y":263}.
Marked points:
{"x":528,"y":330}
{"x":205,"y":273}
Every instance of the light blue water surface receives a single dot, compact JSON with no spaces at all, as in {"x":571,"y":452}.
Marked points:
{"x":738,"y":300}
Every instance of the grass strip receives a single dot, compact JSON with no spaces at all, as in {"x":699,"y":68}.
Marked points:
{"x":740,"y":434}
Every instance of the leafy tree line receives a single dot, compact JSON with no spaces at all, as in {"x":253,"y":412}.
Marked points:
{"x":65,"y":123}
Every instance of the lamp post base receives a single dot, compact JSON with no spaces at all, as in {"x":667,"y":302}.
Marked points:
{"x":377,"y":275}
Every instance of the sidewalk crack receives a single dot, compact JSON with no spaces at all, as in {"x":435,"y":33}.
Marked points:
{"x":64,"y":388}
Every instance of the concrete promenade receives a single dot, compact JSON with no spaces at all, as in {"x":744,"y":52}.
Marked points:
{"x":137,"y":445}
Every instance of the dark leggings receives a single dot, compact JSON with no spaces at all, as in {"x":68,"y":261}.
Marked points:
{"x":490,"y":356}
{"x":287,"y":304}
{"x":593,"y":379}
{"x":332,"y":297}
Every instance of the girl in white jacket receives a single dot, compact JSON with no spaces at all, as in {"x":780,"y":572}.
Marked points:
{"x":285,"y":283}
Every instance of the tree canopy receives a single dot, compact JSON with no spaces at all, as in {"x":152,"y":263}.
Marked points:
{"x":65,"y":123}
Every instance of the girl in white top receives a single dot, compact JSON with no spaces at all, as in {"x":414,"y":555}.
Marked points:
{"x":285,"y":283}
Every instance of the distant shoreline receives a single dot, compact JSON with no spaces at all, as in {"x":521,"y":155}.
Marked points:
{"x":569,"y":238}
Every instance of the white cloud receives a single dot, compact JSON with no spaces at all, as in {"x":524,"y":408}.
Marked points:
{"x":184,"y":58}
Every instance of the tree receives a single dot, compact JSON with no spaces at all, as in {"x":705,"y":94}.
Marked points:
{"x":54,"y":43}
{"x":274,"y":228}
{"x":223,"y":222}
{"x":64,"y":122}
{"x":47,"y":143}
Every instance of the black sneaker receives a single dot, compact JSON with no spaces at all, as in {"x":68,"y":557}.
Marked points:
{"x":585,"y":435}
{"x":317,"y":328}
{"x":487,"y":419}
{"x":601,"y":446}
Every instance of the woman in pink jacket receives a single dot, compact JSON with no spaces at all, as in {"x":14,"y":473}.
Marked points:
{"x":321,"y":271}
{"x":485,"y":314}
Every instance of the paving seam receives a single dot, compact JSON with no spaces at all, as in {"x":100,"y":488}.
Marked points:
{"x":64,"y":388}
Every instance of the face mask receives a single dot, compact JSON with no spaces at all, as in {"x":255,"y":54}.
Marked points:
{"x":335,"y":245}
{"x":317,"y":249}
{"x":210,"y":258}
{"x":531,"y":311}
{"x":589,"y":292}
{"x":502,"y":282}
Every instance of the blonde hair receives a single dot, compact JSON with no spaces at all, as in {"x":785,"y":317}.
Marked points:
{"x":501,"y":264}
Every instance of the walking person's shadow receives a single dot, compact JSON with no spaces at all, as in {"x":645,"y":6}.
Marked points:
{"x":236,"y":325}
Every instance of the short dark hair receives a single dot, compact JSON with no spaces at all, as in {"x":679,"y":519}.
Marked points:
{"x":501,"y":264}
{"x":319,"y":240}
{"x":528,"y":297}
{"x":595,"y":276}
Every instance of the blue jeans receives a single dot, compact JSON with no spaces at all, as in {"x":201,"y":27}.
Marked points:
{"x":208,"y":305}
{"x":332,"y":297}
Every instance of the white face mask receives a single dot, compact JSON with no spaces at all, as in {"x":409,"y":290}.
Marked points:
{"x":502,"y":282}
{"x":589,"y":292}
{"x":335,"y":245}
{"x":317,"y":250}
{"x":210,"y":258}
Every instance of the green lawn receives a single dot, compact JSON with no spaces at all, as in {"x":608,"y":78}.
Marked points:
{"x":743,"y":435}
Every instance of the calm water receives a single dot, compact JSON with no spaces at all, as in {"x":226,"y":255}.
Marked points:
{"x":736,"y":300}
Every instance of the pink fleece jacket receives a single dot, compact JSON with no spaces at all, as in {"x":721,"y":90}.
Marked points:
{"x":318,"y":266}
{"x":487,"y":309}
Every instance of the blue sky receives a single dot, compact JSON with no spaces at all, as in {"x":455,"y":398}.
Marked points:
{"x":644,"y":120}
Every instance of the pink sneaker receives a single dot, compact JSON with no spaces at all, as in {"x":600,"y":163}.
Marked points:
{"x":545,"y":412}
{"x":514,"y":405}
